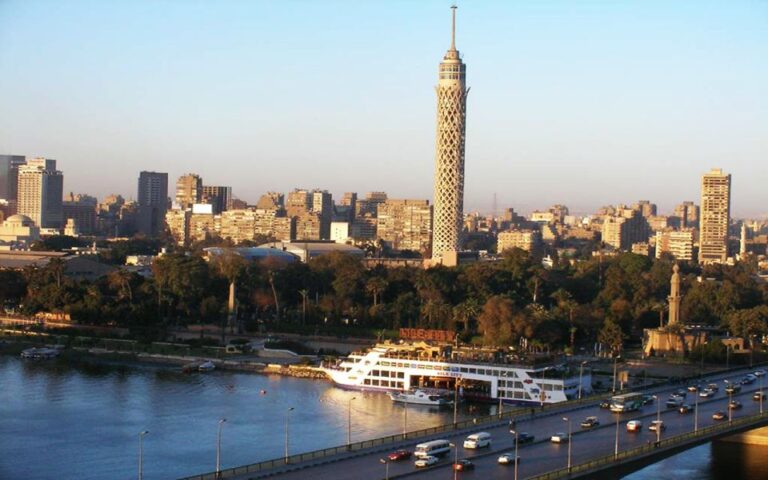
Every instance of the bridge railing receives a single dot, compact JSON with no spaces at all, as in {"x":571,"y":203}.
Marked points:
{"x":638,"y":452}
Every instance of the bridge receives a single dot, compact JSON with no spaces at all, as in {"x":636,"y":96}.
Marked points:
{"x":605,"y":451}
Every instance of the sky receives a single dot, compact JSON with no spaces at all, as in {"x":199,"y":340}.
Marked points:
{"x":585,"y":103}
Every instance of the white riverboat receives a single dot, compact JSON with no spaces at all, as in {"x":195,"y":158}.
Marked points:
{"x":472,"y":373}
{"x":40,"y":353}
{"x":421,"y":397}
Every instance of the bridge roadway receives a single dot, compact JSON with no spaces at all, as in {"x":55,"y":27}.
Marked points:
{"x":541,"y":456}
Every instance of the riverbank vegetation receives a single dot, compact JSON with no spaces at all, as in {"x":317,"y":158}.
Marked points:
{"x":514,"y":301}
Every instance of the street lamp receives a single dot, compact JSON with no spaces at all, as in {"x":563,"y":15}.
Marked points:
{"x":386,"y":468}
{"x":581,"y":374}
{"x":658,"y":419}
{"x":218,"y":449}
{"x":570,"y":432}
{"x":615,"y":365}
{"x":405,"y":420}
{"x":516,"y":449}
{"x":762,"y":399}
{"x":455,"y":460}
{"x":616,"y":441}
{"x":141,"y":453}
{"x":696,"y":411}
{"x":349,"y":422}
{"x":287,"y":416}
{"x":455,"y":402}
{"x":730,"y":410}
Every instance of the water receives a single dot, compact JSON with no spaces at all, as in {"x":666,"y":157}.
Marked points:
{"x":61,"y":421}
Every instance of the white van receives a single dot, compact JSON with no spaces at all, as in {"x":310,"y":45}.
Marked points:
{"x":433,"y":448}
{"x":478,"y":440}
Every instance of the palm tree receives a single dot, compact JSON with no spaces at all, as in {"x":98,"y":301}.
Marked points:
{"x":466,"y":311}
{"x":120,"y":279}
{"x":231,"y":266}
{"x":660,"y":307}
{"x":376,"y":286}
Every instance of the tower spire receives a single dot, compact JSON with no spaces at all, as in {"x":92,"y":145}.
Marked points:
{"x":453,"y":27}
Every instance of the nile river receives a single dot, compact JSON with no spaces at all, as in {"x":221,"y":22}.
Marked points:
{"x":64,"y":422}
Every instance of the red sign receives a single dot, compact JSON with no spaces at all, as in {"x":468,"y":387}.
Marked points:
{"x":424,"y":334}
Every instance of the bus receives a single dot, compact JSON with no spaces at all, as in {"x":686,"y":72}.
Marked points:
{"x":434,"y":448}
{"x":627,"y":402}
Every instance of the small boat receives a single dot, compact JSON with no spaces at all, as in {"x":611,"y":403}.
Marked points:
{"x":206,"y":366}
{"x":420,"y":397}
{"x":40,"y":353}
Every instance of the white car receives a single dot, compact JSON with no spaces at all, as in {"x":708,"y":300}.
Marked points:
{"x":634,"y":425}
{"x":559,"y":437}
{"x":706,"y":393}
{"x":507,"y":459}
{"x":759,"y":373}
{"x":427,"y":461}
{"x":657,"y":425}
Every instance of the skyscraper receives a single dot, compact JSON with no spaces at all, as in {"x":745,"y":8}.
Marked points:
{"x":449,"y":155}
{"x":40,"y":192}
{"x":715,"y":216}
{"x":153,"y":202}
{"x":9,"y":172}
{"x":189,"y":190}
{"x":218,"y":196}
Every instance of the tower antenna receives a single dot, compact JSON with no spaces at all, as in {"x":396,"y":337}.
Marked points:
{"x":453,"y":27}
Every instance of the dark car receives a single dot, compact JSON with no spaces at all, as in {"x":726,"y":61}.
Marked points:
{"x":680,"y":393}
{"x":758,"y":396}
{"x":463,"y":464}
{"x":719,"y":415}
{"x":398,"y":455}
{"x":605,"y":404}
{"x":685,"y":408}
{"x":733,"y":388}
{"x":648,"y":399}
{"x":590,"y":422}
{"x":734,"y":405}
{"x":525,"y":437}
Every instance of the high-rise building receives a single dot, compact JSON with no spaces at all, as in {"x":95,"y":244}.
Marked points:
{"x":152,"y":202}
{"x":81,"y":209}
{"x":369,"y":204}
{"x":189,"y":190}
{"x":40,"y":191}
{"x":624,"y":228}
{"x":678,"y":243}
{"x":528,"y":240}
{"x":449,"y":156}
{"x":299,"y":201}
{"x":405,"y":224}
{"x":646,"y":208}
{"x":271,"y":201}
{"x":9,"y":174}
{"x":219,"y":197}
{"x":687,"y":214}
{"x":715,"y":216}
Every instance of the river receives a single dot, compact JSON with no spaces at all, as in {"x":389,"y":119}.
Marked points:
{"x":65,"y":422}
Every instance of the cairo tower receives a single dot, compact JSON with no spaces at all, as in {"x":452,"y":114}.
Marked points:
{"x":449,"y":156}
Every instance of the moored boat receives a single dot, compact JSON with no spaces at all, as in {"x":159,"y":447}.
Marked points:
{"x":420,"y":397}
{"x":40,"y":353}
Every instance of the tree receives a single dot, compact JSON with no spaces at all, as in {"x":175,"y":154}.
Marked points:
{"x":611,"y":335}
{"x":495,"y":320}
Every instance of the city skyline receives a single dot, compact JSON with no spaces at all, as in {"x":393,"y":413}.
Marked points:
{"x":543,"y":112}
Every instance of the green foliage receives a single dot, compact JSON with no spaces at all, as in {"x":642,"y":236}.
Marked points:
{"x":57,"y":243}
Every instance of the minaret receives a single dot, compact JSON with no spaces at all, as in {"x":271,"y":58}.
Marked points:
{"x":449,"y":155}
{"x":674,"y":296}
{"x":743,"y":243}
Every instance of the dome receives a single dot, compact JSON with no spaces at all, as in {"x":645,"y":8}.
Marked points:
{"x":20,"y":220}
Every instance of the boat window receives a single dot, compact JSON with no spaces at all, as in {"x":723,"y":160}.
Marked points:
{"x":367,"y":381}
{"x":518,"y":385}
{"x":472,"y":370}
{"x":375,"y":382}
{"x":518,"y":395}
{"x":385,"y":383}
{"x":376,"y":373}
{"x":464,"y":369}
{"x":400,"y":375}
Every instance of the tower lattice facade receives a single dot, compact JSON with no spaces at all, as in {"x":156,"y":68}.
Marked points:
{"x":449,"y":156}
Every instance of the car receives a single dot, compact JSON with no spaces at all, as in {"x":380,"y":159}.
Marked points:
{"x":674,"y":402}
{"x":733,"y":388}
{"x":507,"y":458}
{"x":398,"y":455}
{"x":605,"y":404}
{"x":634,"y":425}
{"x":590,"y":422}
{"x":758,"y":396}
{"x":426,"y":461}
{"x":657,"y":425}
{"x":525,"y":437}
{"x":648,"y":399}
{"x":734,"y":405}
{"x":748,"y":379}
{"x":706,"y":393}
{"x":714,"y":387}
{"x":759,"y":373}
{"x":685,"y":408}
{"x":719,"y":415}
{"x":680,"y":393}
{"x":559,"y":437}
{"x":463,"y":464}
{"x":694,"y":388}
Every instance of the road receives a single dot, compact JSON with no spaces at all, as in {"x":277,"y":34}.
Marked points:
{"x":542,"y":455}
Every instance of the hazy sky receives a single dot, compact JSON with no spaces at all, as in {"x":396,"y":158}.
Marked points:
{"x":578,"y":102}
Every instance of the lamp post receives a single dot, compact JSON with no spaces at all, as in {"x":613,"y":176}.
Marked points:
{"x":405,"y":420}
{"x":696,"y":411}
{"x":570,"y":433}
{"x":728,"y":357}
{"x":218,"y":448}
{"x":455,"y":461}
{"x":141,"y":453}
{"x":730,"y":410}
{"x":287,"y":417}
{"x":615,"y":365}
{"x":658,"y":419}
{"x":455,"y":402}
{"x":762,"y":399}
{"x":581,"y":374}
{"x":516,"y":450}
{"x":349,"y":422}
{"x":616,"y":441}
{"x":386,"y":468}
